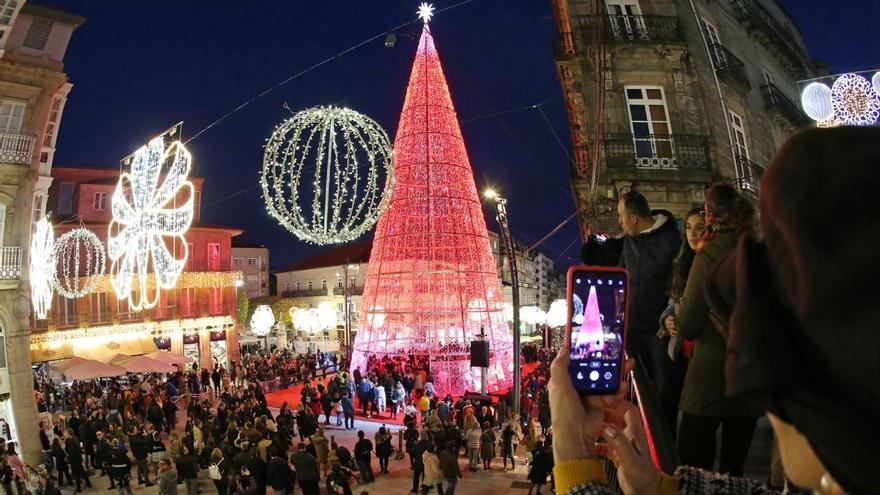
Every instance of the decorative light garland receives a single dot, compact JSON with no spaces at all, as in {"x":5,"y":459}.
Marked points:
{"x":166,"y":327}
{"x":851,"y":100}
{"x":41,"y":265}
{"x":148,"y":213}
{"x":323,"y":171}
{"x":187,"y":280}
{"x":262,"y":320}
{"x":78,"y":247}
{"x":314,"y":320}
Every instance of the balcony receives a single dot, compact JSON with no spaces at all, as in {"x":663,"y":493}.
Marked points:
{"x":16,"y":148}
{"x":636,"y":28}
{"x":771,"y":33}
{"x":10,"y":263}
{"x":304,"y":293}
{"x":748,"y":174}
{"x":728,"y":65}
{"x":657,"y":151}
{"x":775,"y":99}
{"x":357,"y":290}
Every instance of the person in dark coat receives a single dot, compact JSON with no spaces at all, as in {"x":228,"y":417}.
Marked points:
{"x":120,"y":468}
{"x":188,"y":470}
{"x":306,"y":467}
{"x":337,"y":480}
{"x":704,"y":404}
{"x":363,"y":455}
{"x":347,"y":411}
{"x":258,"y":469}
{"x":102,"y":457}
{"x":541,"y":466}
{"x":278,"y":474}
{"x":141,"y":447}
{"x":449,"y":465}
{"x":75,"y":459}
{"x":61,"y":465}
{"x":649,"y":249}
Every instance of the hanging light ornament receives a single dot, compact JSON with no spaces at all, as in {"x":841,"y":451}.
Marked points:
{"x":875,"y":82}
{"x":558,"y":313}
{"x":74,"y":250}
{"x":145,"y":213}
{"x":40,"y":267}
{"x":854,"y":100}
{"x":327,"y":174}
{"x":816,"y":100}
{"x":262,"y":320}
{"x":314,"y":320}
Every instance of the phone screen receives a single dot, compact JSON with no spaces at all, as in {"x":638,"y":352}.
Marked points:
{"x":597,"y":301}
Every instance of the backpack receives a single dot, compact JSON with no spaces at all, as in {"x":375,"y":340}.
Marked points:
{"x":214,"y":471}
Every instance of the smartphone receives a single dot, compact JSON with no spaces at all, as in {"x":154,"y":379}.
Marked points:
{"x":596,"y":327}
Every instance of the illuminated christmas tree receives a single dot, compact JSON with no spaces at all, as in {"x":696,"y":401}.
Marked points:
{"x":432,"y":281}
{"x":590,"y":337}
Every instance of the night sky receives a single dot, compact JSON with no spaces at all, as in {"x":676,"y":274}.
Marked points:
{"x":138,"y":70}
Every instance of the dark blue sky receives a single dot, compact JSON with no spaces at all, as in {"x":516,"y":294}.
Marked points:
{"x":137,"y":71}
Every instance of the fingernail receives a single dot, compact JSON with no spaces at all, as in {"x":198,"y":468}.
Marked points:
{"x":610,"y":432}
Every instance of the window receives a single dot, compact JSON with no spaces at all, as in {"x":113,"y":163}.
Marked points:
{"x":38,"y":206}
{"x":351,"y":282}
{"x":298,"y":286}
{"x":650,"y":127}
{"x":38,"y":33}
{"x":161,"y":310}
{"x":719,"y":58}
{"x":252,"y":262}
{"x":216,"y":300}
{"x":197,"y":206}
{"x":7,"y":10}
{"x":2,"y":349}
{"x":66,"y":311}
{"x":339,"y":283}
{"x":323,"y":284}
{"x":11,"y":115}
{"x":52,"y":123}
{"x":99,"y":307}
{"x":100,"y":201}
{"x":252,"y":278}
{"x":237,"y":261}
{"x":65,"y":198}
{"x":739,"y":135}
{"x":187,"y":302}
{"x":625,"y":18}
{"x":287,"y":286}
{"x":213,"y":256}
{"x":310,"y":285}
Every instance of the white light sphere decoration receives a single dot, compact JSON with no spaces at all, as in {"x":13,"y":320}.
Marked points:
{"x":558,"y":313}
{"x":80,"y":258}
{"x":816,"y":100}
{"x":875,"y":81}
{"x":41,"y":266}
{"x":327,"y":174}
{"x":262,"y":320}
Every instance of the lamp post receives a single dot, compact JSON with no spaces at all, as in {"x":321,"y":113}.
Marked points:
{"x":510,"y":250}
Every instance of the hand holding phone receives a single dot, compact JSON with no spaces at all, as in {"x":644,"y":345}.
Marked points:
{"x":596,"y":328}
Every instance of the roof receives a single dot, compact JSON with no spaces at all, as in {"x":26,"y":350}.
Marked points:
{"x":53,"y":13}
{"x":354,"y":253}
{"x":243,"y":244}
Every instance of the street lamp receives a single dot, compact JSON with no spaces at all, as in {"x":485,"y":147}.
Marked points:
{"x":509,"y":248}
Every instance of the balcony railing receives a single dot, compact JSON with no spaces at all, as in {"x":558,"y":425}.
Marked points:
{"x":563,"y":46}
{"x":748,"y":174}
{"x":353,"y":290}
{"x":10,"y":263}
{"x":304,"y":293}
{"x":774,"y":99}
{"x":16,"y":148}
{"x":727,"y":64}
{"x":774,"y":34}
{"x":649,"y":28}
{"x":657,"y":151}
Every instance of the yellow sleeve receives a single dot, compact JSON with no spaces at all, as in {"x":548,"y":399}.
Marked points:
{"x":571,"y":473}
{"x":668,"y":485}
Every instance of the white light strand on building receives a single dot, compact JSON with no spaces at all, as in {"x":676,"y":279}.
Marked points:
{"x":74,"y":250}
{"x":327,"y":174}
{"x":147,"y":213}
{"x":41,"y":266}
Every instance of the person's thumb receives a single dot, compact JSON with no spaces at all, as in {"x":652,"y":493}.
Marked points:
{"x":623,"y":448}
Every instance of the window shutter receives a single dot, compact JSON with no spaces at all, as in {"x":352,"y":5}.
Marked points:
{"x":38,"y":33}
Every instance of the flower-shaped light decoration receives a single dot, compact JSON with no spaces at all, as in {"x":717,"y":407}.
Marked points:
{"x":41,"y":266}
{"x":854,"y":100}
{"x":262,"y":320}
{"x":152,"y":210}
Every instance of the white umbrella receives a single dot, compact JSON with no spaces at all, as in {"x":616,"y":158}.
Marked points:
{"x":70,"y":362}
{"x":89,"y":370}
{"x":170,"y":358}
{"x":144,"y":364}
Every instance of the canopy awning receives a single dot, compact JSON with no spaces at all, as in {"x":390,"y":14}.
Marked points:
{"x":50,"y":351}
{"x":104,"y":348}
{"x":89,"y":369}
{"x":170,"y":358}
{"x":142,"y":364}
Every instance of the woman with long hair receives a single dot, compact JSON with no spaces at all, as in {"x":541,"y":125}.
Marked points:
{"x":678,"y":349}
{"x":704,"y":406}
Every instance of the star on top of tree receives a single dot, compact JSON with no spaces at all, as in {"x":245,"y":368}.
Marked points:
{"x":426,"y":10}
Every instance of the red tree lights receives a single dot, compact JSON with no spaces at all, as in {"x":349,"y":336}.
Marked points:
{"x":432,"y":282}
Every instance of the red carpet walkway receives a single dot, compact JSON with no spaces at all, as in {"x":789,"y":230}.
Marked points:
{"x":291,"y":395}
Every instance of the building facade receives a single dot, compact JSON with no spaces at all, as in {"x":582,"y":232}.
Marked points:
{"x":327,"y":277}
{"x":33,"y":91}
{"x":668,"y":96}
{"x":252,"y":260}
{"x":197,"y":318}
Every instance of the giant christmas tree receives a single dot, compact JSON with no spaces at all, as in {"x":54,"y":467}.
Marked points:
{"x":432,"y":282}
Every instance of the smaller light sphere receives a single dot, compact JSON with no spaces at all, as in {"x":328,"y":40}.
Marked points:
{"x":816,"y":101}
{"x":875,"y":82}
{"x":262,"y":320}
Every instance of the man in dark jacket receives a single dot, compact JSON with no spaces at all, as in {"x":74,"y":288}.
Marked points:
{"x":102,"y":457}
{"x":415,"y":454}
{"x":649,"y":248}
{"x":188,"y":470}
{"x":363,"y":455}
{"x":141,"y":445}
{"x":306,"y":467}
{"x":449,"y":466}
{"x":348,"y":411}
{"x":75,"y":458}
{"x":278,"y":474}
{"x":120,"y":468}
{"x":257,"y":468}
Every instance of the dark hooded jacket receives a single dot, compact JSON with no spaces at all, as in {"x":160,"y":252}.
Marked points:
{"x":648,"y":258}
